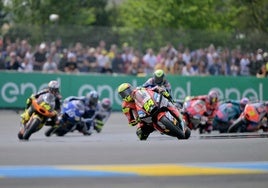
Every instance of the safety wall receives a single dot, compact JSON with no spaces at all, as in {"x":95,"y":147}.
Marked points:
{"x":17,"y":87}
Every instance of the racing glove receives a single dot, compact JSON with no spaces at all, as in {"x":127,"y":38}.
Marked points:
{"x":134,"y":122}
{"x":29,"y":101}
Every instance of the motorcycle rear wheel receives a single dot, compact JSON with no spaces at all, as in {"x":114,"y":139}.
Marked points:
{"x":174,"y":131}
{"x":31,"y":128}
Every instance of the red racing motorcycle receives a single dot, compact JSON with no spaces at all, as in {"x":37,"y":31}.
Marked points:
{"x":194,"y":114}
{"x":154,"y":109}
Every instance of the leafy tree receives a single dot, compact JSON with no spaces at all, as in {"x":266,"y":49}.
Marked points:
{"x":78,"y":12}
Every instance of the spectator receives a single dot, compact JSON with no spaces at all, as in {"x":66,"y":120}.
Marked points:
{"x":58,"y":45}
{"x":112,"y":52}
{"x":211,"y":53}
{"x":79,"y":53}
{"x":215,"y":68}
{"x":135,"y":67}
{"x":150,"y":61}
{"x":244,"y":65}
{"x":63,"y":60}
{"x":26,"y":65}
{"x":50,"y":66}
{"x":161,"y":65}
{"x":92,"y":60}
{"x":234,"y":69}
{"x":186,"y":56}
{"x":169,"y":63}
{"x":103,"y":62}
{"x":55,"y":55}
{"x":188,"y":70}
{"x":170,"y":49}
{"x":71,"y":64}
{"x":259,"y":55}
{"x":12,"y":63}
{"x":118,"y":64}
{"x":102,"y":47}
{"x":162,"y":54}
{"x":178,"y":65}
{"x":23,"y":48}
{"x":201,"y":69}
{"x":40,"y":57}
{"x":127,"y":56}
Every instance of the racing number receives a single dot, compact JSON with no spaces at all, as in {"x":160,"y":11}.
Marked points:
{"x":148,"y":104}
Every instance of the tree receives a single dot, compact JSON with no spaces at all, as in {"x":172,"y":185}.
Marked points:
{"x":78,"y":12}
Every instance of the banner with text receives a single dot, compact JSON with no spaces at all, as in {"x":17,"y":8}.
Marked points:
{"x":17,"y":87}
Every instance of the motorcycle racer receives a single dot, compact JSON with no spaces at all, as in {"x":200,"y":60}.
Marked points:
{"x":90,"y":103}
{"x":53,"y":88}
{"x":158,"y":79}
{"x":252,"y":119}
{"x":227,"y":112}
{"x":103,"y":113}
{"x":126,"y":92}
{"x":212,"y":102}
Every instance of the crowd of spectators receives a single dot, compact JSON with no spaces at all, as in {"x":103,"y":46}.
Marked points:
{"x":52,"y":57}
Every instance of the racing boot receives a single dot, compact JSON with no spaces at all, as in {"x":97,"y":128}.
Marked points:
{"x":25,"y":116}
{"x":98,"y":126}
{"x":141,"y":135}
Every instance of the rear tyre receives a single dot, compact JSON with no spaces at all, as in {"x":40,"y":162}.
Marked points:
{"x":29,"y":130}
{"x":173,"y":130}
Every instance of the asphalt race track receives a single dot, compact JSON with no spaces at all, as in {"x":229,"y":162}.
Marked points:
{"x":115,"y":158}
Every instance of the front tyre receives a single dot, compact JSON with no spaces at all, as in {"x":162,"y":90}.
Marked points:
{"x":236,"y":126}
{"x":50,"y":131}
{"x":31,"y":128}
{"x":171,"y":129}
{"x":187,"y":133}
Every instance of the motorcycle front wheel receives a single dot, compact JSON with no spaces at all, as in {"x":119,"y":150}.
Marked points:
{"x":31,"y":128}
{"x":171,"y":129}
{"x":236,"y":126}
{"x":50,"y":131}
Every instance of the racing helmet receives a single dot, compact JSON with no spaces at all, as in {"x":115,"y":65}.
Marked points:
{"x":159,"y":76}
{"x":213,"y":97}
{"x":53,"y":87}
{"x":243,"y":102}
{"x":125,"y":90}
{"x":92,"y":98}
{"x":106,"y":103}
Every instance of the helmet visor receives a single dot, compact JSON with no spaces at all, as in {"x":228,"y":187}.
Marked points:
{"x":159,"y":80}
{"x":213,"y":100}
{"x":126,"y":94}
{"x":54,"y":91}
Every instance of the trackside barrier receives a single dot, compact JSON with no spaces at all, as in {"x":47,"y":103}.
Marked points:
{"x":16,"y":87}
